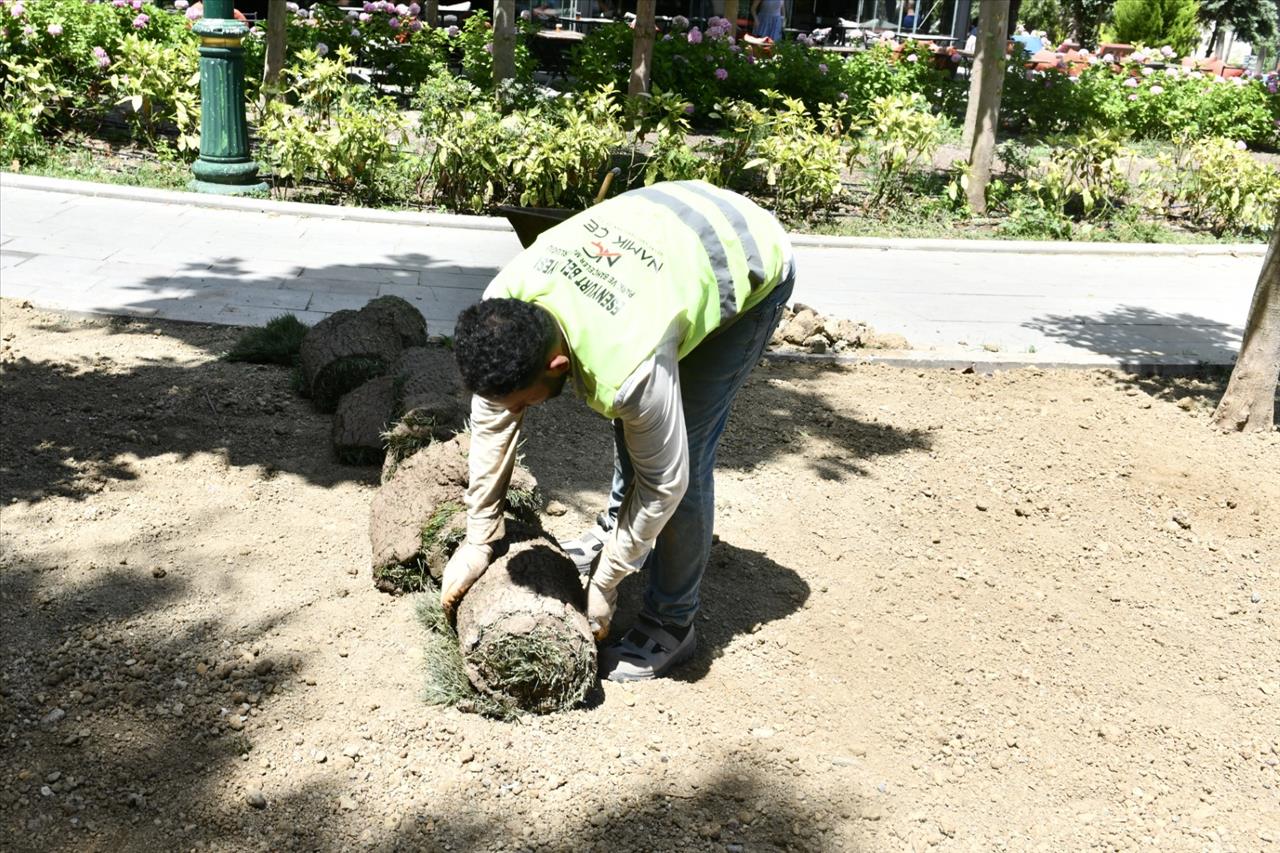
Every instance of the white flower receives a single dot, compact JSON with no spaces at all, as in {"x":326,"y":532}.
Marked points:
{"x":913,"y":58}
{"x":1240,"y":144}
{"x":321,"y":48}
{"x":1108,"y":57}
{"x":1157,"y":90}
{"x":1147,"y":72}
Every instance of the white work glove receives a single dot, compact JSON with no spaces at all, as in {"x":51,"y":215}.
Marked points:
{"x":464,"y":568}
{"x":602,"y":592}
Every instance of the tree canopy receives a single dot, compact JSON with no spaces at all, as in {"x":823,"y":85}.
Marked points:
{"x":1156,"y":23}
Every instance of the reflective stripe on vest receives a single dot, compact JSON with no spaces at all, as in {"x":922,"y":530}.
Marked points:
{"x":731,"y":212}
{"x":711,"y":243}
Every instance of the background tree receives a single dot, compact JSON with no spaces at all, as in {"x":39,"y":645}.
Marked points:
{"x":1156,"y":23}
{"x":504,"y":42}
{"x":985,"y":88}
{"x":642,"y":47}
{"x":1087,"y":17}
{"x":1049,"y":16}
{"x":1254,"y":21}
{"x":277,"y":34}
{"x":1250,"y":402}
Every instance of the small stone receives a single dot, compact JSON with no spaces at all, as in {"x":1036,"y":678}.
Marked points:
{"x":1186,"y":404}
{"x":263,"y":666}
{"x":53,"y":717}
{"x":235,"y":722}
{"x":991,"y":347}
{"x":158,"y":572}
{"x":947,"y":826}
{"x":557,"y":509}
{"x":347,"y":804}
{"x":982,"y":507}
{"x":1181,"y":519}
{"x":319,"y":756}
{"x":353,"y":570}
{"x":351,"y":750}
{"x":255,"y":798}
{"x":763,"y":732}
{"x":1256,"y":598}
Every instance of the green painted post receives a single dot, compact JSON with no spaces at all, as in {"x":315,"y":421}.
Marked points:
{"x":224,"y":166}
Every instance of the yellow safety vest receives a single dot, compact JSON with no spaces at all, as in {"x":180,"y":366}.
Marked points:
{"x":618,"y":275}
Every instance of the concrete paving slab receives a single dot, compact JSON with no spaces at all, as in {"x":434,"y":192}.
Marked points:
{"x":231,"y":262}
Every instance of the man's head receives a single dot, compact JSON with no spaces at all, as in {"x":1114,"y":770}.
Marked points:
{"x":510,"y":352}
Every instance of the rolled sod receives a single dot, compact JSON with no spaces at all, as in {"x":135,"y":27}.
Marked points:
{"x":522,"y":629}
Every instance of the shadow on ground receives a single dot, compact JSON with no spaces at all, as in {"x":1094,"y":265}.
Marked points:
{"x":146,"y":757}
{"x":1138,"y":336}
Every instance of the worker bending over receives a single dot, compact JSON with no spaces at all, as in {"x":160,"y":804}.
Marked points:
{"x":657,"y":304}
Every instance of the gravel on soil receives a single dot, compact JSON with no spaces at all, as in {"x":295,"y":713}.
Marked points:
{"x":1031,"y":610}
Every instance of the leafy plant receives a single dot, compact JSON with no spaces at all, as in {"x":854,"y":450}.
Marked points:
{"x":800,"y":164}
{"x":279,"y":342}
{"x":1223,"y":188}
{"x":161,"y":86}
{"x":898,"y":135}
{"x":330,"y":130}
{"x":1083,"y":177}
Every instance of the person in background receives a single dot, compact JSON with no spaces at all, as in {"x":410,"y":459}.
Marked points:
{"x":768,"y":16}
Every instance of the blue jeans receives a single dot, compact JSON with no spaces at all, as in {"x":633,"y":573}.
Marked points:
{"x":710,"y":378}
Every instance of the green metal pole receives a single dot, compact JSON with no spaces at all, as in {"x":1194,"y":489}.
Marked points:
{"x":224,"y":166}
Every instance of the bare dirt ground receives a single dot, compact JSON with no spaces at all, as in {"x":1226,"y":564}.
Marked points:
{"x":1028,"y":611}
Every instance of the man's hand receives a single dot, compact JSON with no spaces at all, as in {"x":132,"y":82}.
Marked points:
{"x":602,"y":592}
{"x":465,"y":567}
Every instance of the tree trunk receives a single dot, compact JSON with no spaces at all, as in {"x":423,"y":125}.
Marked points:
{"x":504,"y":41}
{"x":731,"y":15}
{"x":1213,"y":40}
{"x":522,"y":628}
{"x":1250,"y":402}
{"x":277,"y":28}
{"x":642,"y":47}
{"x":983,"y":113}
{"x":431,"y":13}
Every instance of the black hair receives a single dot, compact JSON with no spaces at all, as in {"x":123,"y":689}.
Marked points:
{"x":502,"y":345}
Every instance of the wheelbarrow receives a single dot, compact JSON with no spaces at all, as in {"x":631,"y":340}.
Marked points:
{"x":529,"y":222}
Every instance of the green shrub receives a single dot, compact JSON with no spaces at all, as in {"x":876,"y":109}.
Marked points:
{"x":897,"y":137}
{"x":1223,"y":188}
{"x":476,"y":43}
{"x":799,"y":163}
{"x":1158,"y":22}
{"x":161,"y":86}
{"x":330,"y":130}
{"x":31,"y":96}
{"x":1082,"y":179}
{"x":551,"y":154}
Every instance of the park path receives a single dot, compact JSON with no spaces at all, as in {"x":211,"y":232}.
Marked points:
{"x":113,"y":250}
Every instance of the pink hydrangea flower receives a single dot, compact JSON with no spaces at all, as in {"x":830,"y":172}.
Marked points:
{"x":1130,"y":82}
{"x":1157,"y":90}
{"x":322,"y":49}
{"x":141,"y":21}
{"x":55,"y":30}
{"x":17,"y":10}
{"x":452,"y":32}
{"x":195,"y":13}
{"x":1133,"y":97}
{"x":394,"y":23}
{"x":136,"y":4}
{"x":695,"y":36}
{"x":365,"y":17}
{"x":722,"y":74}
{"x":822,"y":68}
{"x":104,"y":60}
{"x":913,"y":58}
{"x":1241,"y":145}
{"x":181,"y":5}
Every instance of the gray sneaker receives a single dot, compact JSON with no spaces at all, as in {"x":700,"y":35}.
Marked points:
{"x":584,"y":550}
{"x":646,"y":652}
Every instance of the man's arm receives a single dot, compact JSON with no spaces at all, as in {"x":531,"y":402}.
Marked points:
{"x":494,"y":435}
{"x":654,"y":431}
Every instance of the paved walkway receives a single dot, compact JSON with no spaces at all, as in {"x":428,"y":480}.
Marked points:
{"x":168,"y":258}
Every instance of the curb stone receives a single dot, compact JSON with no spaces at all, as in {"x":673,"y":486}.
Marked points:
{"x":497,"y":224}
